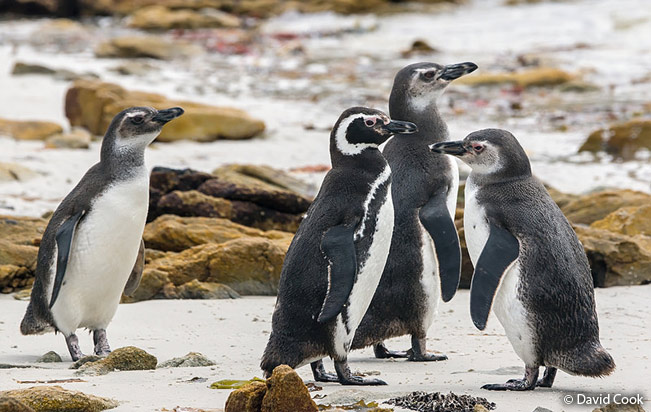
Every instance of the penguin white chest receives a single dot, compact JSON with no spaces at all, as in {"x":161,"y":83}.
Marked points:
{"x":475,"y":223}
{"x":103,"y":252}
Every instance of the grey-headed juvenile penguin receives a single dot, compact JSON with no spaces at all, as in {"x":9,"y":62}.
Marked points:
{"x":425,"y":258}
{"x":335,"y":261}
{"x":92,"y":248}
{"x":530,"y":268}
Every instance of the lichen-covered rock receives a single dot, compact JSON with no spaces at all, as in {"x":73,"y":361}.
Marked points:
{"x":247,"y":398}
{"x":28,"y":129}
{"x":19,"y":241}
{"x":93,"y":104}
{"x":58,"y":399}
{"x":287,"y":392}
{"x":616,"y":259}
{"x":622,"y":140}
{"x":191,"y":360}
{"x":619,"y":407}
{"x":631,"y":220}
{"x":77,"y":138}
{"x":128,"y":358}
{"x":13,"y":405}
{"x":595,"y":206}
{"x":50,"y":357}
{"x":537,"y":77}
{"x":159,"y":17}
{"x":154,"y":47}
{"x":175,"y":234}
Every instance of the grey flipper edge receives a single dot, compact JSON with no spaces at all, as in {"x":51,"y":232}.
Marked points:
{"x":499,"y":254}
{"x":339,"y":248}
{"x":136,"y":273}
{"x":64,"y":236}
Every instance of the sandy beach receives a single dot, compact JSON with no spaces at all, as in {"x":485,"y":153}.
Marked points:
{"x":233,"y":333}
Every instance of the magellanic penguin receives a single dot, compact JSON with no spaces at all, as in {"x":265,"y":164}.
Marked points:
{"x":92,"y":248}
{"x":335,"y":261}
{"x":530,"y":268}
{"x":425,"y":258}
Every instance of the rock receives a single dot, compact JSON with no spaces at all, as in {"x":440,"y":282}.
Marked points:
{"x":13,"y":405}
{"x":21,"y":68}
{"x":616,"y":259}
{"x":28,"y":129}
{"x":205,"y":290}
{"x":287,"y":392}
{"x":267,"y":174}
{"x":194,"y":203}
{"x":541,"y":409}
{"x":578,"y":86}
{"x":162,"y":18}
{"x":86,"y":359}
{"x":134,"y":68}
{"x":246,"y":399}
{"x":619,"y":407}
{"x":631,"y":221}
{"x":154,"y":47}
{"x":13,"y":172}
{"x":19,"y":240}
{"x":621,"y":140}
{"x":538,"y":77}
{"x":418,"y":47}
{"x":57,"y":399}
{"x":595,"y":206}
{"x":152,"y":284}
{"x":50,"y":357}
{"x":128,"y":358}
{"x":93,"y":104}
{"x":24,"y":294}
{"x":78,"y":138}
{"x":191,"y":360}
{"x":479,"y":408}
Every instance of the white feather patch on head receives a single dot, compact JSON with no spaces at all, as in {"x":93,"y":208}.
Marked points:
{"x":487,"y":169}
{"x":342,"y":143}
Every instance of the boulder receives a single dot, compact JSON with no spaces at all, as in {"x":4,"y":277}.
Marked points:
{"x":278,"y":179}
{"x":595,"y":206}
{"x":621,"y":140}
{"x":13,"y":405}
{"x":537,"y":77}
{"x":191,"y":360}
{"x":50,"y":357}
{"x":616,"y":259}
{"x":57,"y":399}
{"x":77,"y":138}
{"x":631,"y":221}
{"x":19,"y":240}
{"x":417,"y":48}
{"x":247,"y":398}
{"x":159,"y":17}
{"x":93,"y":104}
{"x":154,"y":47}
{"x":128,"y":358}
{"x":28,"y":129}
{"x":287,"y":392}
{"x":13,"y":172}
{"x":194,"y":203}
{"x":195,"y":289}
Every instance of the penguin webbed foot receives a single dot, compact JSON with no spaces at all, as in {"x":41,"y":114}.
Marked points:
{"x":320,"y":374}
{"x":72,"y":342}
{"x":548,"y":378}
{"x":418,"y":352}
{"x":102,"y":347}
{"x":347,"y":378}
{"x":528,"y":383}
{"x":382,"y":352}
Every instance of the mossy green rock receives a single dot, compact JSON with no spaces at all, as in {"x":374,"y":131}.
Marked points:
{"x":128,"y":358}
{"x":58,"y":399}
{"x":13,"y":405}
{"x":287,"y":392}
{"x":248,"y":398}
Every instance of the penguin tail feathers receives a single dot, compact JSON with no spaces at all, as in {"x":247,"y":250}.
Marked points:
{"x":591,"y":360}
{"x":32,"y":325}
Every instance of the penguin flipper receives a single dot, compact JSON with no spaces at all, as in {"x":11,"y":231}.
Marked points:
{"x":339,"y":248}
{"x":499,"y":254}
{"x":64,"y":236}
{"x":439,"y":224}
{"x":136,"y":273}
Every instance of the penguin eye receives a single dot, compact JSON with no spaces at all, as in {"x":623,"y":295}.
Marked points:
{"x":429,"y":75}
{"x":370,"y":122}
{"x":478,"y":148}
{"x":137,"y":119}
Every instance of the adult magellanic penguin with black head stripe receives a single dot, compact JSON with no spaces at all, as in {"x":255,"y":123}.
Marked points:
{"x":530,"y":267}
{"x":335,"y":261}
{"x":425,"y":258}
{"x":92,"y":250}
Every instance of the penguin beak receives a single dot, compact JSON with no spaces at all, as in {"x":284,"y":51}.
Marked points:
{"x":451,"y":148}
{"x":454,"y":71}
{"x":398,"y":127}
{"x":164,"y":116}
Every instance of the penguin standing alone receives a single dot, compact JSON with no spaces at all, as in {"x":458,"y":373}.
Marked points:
{"x":92,"y":248}
{"x":425,"y":258}
{"x":335,"y":260}
{"x":529,"y":265}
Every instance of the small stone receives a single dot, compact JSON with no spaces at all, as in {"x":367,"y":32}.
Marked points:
{"x":86,"y":359}
{"x":77,"y":138}
{"x":50,"y":357}
{"x":541,"y":409}
{"x":21,"y":68}
{"x":128,"y":358}
{"x":619,"y":407}
{"x":287,"y":392}
{"x":191,"y":360}
{"x":419,"y":47}
{"x":247,"y":399}
{"x":24,"y":294}
{"x":58,"y":399}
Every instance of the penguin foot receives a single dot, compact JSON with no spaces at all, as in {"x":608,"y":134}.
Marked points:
{"x":347,"y":378}
{"x":527,"y":383}
{"x":73,"y":347}
{"x":381,"y":352}
{"x":548,"y":378}
{"x":320,"y":375}
{"x":102,"y":347}
{"x":418,"y":352}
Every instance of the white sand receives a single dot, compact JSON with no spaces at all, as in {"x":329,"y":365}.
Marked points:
{"x":234,"y":332}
